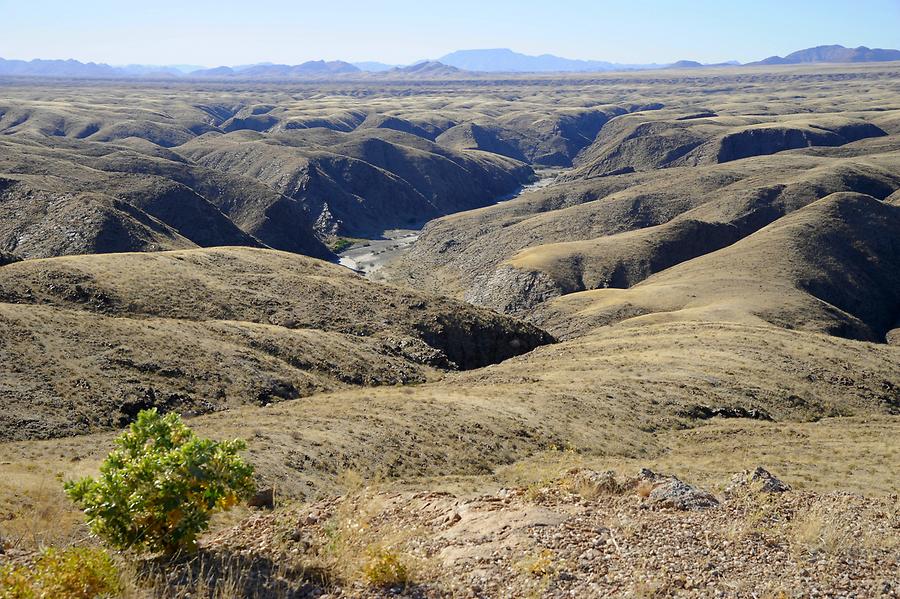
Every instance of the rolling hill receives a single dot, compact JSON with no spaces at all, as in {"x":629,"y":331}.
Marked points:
{"x":205,"y":330}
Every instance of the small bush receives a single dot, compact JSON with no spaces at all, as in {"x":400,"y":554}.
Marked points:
{"x":384,"y":568}
{"x":161,"y":484}
{"x":76,"y":573}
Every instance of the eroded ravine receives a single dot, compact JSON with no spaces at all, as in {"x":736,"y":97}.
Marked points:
{"x":369,"y":256}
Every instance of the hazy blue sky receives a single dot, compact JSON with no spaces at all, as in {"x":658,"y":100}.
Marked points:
{"x":401,"y":31}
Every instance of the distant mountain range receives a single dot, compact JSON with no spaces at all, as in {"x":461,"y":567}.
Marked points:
{"x":281,"y":71}
{"x":506,"y":61}
{"x":693,"y":64}
{"x":833,"y":53}
{"x":500,"y":60}
{"x":74,"y":68}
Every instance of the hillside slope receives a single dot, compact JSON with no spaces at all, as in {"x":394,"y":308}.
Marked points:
{"x":832,"y":267}
{"x":89,"y":340}
{"x":575,"y":231}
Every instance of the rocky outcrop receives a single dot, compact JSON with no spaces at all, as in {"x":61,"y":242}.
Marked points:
{"x":654,"y":489}
{"x":702,"y":412}
{"x":668,"y":491}
{"x":518,"y":542}
{"x":511,"y":290}
{"x":893,"y":336}
{"x":759,"y":480}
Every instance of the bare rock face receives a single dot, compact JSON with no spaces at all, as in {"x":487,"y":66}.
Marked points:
{"x":510,"y":290}
{"x":665,"y":490}
{"x":893,"y":336}
{"x":759,"y":481}
{"x":669,"y":491}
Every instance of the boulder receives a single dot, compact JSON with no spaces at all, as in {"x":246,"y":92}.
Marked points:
{"x":758,"y":481}
{"x":264,"y":499}
{"x":671,"y":492}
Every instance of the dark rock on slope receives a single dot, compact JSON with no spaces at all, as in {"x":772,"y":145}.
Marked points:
{"x":7,"y":258}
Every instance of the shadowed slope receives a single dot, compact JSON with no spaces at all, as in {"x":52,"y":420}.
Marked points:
{"x":832,"y":267}
{"x":198,"y":205}
{"x":36,"y":222}
{"x":365,"y":181}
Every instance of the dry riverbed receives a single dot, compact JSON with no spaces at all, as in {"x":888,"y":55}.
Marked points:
{"x":368,"y":256}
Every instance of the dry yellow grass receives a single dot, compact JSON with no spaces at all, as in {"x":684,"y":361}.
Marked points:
{"x":862,"y":455}
{"x":616,"y":397}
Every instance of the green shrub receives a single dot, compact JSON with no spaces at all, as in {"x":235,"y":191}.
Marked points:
{"x":161,"y":484}
{"x":340,"y":244}
{"x":75,"y":573}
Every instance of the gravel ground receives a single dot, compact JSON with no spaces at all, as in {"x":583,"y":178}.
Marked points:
{"x":587,"y":535}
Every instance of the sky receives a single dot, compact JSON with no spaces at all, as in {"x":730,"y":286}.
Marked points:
{"x":227,"y":32}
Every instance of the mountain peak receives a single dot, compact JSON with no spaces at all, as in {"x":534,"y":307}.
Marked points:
{"x":833,"y":53}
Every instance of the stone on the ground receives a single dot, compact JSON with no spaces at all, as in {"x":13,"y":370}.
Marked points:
{"x":759,"y":480}
{"x":670,"y":491}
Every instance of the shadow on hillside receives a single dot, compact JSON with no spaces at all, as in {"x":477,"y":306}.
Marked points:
{"x":210,"y":574}
{"x":230,"y":575}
